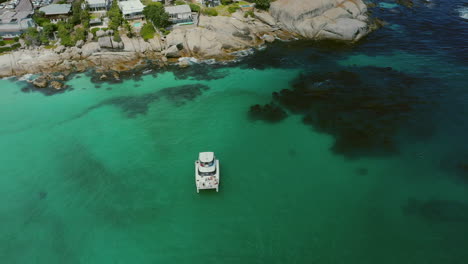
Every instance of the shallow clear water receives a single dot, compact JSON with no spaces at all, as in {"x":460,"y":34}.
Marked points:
{"x":103,"y":173}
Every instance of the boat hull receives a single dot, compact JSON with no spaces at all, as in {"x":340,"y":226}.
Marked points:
{"x":206,"y":182}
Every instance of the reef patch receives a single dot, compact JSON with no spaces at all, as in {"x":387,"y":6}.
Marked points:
{"x":364,"y":108}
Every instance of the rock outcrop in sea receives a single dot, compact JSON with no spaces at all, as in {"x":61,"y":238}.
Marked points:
{"x":323,"y":19}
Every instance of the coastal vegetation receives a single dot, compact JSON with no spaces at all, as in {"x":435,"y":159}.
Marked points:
{"x":210,"y":12}
{"x":69,"y":32}
{"x":233,"y":8}
{"x":115,"y":16}
{"x":147,"y":31}
{"x":157,"y":15}
{"x":262,"y":4}
{"x":195,"y":7}
{"x":129,"y":29}
{"x":9,"y":45}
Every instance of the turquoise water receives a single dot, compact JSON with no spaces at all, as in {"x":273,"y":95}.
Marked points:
{"x":388,"y":5}
{"x":103,"y":173}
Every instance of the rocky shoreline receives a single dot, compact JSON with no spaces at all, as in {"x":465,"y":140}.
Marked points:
{"x":214,"y":38}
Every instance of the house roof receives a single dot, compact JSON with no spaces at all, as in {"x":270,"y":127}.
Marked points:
{"x":96,"y":2}
{"x":24,"y":6}
{"x":178,"y":9}
{"x":14,"y":17}
{"x":14,"y":28}
{"x":131,"y":6}
{"x":56,"y":9}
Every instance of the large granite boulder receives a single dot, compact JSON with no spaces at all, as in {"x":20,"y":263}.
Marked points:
{"x":40,"y":82}
{"x":79,"y":43}
{"x":89,"y":49}
{"x":140,"y":45}
{"x":323,"y":19}
{"x":59,"y":49}
{"x":107,"y":42}
{"x":265,"y":18}
{"x":171,"y":52}
{"x":100,"y":33}
{"x":218,"y":36}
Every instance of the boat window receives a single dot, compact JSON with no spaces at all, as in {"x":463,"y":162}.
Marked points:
{"x":211,"y":173}
{"x":207,"y":164}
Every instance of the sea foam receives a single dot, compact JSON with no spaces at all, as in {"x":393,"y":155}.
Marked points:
{"x":463,"y":12}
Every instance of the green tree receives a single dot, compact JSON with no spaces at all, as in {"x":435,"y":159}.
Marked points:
{"x":233,"y":9}
{"x":262,"y":4}
{"x":79,"y":34}
{"x":156,"y":14}
{"x":115,"y":16}
{"x":64,"y":30}
{"x":117,"y":37}
{"x":32,"y":37}
{"x":195,"y":8}
{"x":47,"y":32}
{"x":129,"y":28}
{"x":147,"y":31}
{"x":39,"y":18}
{"x":180,"y":2}
{"x":76,"y":13}
{"x":226,"y":2}
{"x":85,"y":17}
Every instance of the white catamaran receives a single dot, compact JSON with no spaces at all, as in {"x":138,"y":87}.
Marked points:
{"x":207,"y":171}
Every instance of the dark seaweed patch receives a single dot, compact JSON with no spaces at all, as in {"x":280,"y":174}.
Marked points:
{"x":292,"y":153}
{"x":270,"y":112}
{"x":437,"y":210}
{"x":133,"y":106}
{"x":295,"y":54}
{"x":363,"y":108}
{"x":456,"y":164}
{"x":42,"y":195}
{"x":48,"y":91}
{"x":362,"y":171}
{"x":116,"y":200}
{"x":199,"y":72}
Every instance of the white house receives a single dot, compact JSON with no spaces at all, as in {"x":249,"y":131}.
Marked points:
{"x":14,"y":22}
{"x":179,"y":14}
{"x":98,"y":5}
{"x":131,"y":9}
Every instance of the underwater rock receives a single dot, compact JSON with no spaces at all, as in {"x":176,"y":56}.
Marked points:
{"x":362,"y":112}
{"x":56,"y":85}
{"x":40,"y":82}
{"x":269,"y":112}
{"x":406,"y":3}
